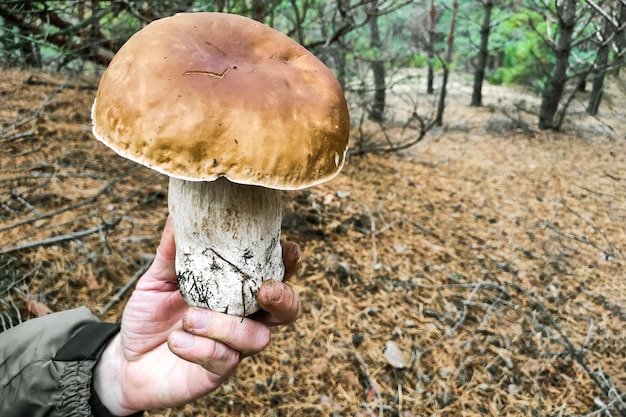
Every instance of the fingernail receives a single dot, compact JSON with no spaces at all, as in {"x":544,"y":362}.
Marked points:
{"x":197,"y":319}
{"x":277,"y":293}
{"x":182,"y":340}
{"x":294,"y":250}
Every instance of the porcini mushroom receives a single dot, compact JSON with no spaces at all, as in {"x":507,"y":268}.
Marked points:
{"x":232,"y":111}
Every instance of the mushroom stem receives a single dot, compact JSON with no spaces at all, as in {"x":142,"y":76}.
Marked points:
{"x":227,"y":242}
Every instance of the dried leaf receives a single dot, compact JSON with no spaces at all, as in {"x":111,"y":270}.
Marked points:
{"x":393,"y":355}
{"x":36,"y":308}
{"x":92,"y":282}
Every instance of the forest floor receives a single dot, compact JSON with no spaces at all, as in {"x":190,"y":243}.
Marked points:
{"x":480,"y":272}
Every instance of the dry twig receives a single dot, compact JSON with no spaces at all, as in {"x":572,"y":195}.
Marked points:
{"x":120,"y":293}
{"x":62,"y":238}
{"x":365,"y":369}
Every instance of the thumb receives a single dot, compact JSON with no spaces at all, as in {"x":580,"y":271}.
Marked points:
{"x":162,"y":271}
{"x":167,"y":247}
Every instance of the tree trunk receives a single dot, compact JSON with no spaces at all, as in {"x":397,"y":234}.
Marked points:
{"x":340,"y":65}
{"x":378,"y":71}
{"x":446,"y":69}
{"x":597,"y":87}
{"x":442,"y":96}
{"x":620,"y":42}
{"x":258,"y":10}
{"x":431,"y":48}
{"x":553,"y":91}
{"x":483,"y":52}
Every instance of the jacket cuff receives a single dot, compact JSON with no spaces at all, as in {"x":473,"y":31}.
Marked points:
{"x":87,"y":345}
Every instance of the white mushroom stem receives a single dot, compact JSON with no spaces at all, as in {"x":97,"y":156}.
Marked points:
{"x":227,"y":242}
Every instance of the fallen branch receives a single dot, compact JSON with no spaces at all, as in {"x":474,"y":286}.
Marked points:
{"x":19,"y":280}
{"x":20,"y":135}
{"x":86,"y":201}
{"x":582,"y":239}
{"x":61,"y":238}
{"x":614,"y":177}
{"x":8,"y":323}
{"x":120,"y":293}
{"x":577,"y":354}
{"x":366,"y":371}
{"x":37,"y":175}
{"x":4,"y":136}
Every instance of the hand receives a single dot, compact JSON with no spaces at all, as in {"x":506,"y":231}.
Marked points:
{"x":168,"y":353}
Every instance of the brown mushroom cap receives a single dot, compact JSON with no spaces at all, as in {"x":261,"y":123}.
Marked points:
{"x":198,"y":96}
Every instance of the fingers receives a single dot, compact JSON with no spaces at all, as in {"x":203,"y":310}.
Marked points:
{"x":280,"y":304}
{"x":292,"y":258}
{"x":214,"y":356}
{"x":244,"y":335}
{"x":217,"y":341}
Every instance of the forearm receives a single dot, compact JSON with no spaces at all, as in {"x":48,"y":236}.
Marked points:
{"x":46,"y":364}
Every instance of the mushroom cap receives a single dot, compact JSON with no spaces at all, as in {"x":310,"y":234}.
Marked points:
{"x":199,"y":96}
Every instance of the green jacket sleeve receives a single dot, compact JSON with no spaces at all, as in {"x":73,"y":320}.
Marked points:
{"x":46,"y":364}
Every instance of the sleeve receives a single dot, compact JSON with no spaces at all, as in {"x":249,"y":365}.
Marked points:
{"x":46,"y":365}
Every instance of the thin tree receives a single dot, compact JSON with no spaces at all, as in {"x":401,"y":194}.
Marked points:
{"x":601,"y":66}
{"x":620,"y":40}
{"x":483,"y":53}
{"x":258,"y":11}
{"x":377,"y":110}
{"x":431,"y":47}
{"x":446,"y":64}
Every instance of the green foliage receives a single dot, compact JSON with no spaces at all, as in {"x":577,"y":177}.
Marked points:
{"x":524,"y":54}
{"x":415,"y":60}
{"x":518,"y":51}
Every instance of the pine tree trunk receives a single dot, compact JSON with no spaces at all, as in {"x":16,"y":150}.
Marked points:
{"x":431,"y":49}
{"x":258,"y":10}
{"x":597,"y":87}
{"x":378,"y":71}
{"x":442,"y":97}
{"x":620,"y":42}
{"x":553,"y":91}
{"x":446,"y":68}
{"x":479,"y":74}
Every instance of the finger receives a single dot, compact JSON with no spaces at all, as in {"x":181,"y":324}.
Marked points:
{"x":167,"y":248}
{"x":212,"y":355}
{"x":162,"y":273}
{"x":280,"y":304}
{"x":244,"y":335}
{"x":292,"y":258}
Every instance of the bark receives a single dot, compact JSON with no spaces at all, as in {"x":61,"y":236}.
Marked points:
{"x":258,"y":10}
{"x":431,"y":48}
{"x":620,"y":41}
{"x":553,"y":91}
{"x":483,"y":53}
{"x":378,"y":70}
{"x":340,"y":65}
{"x":442,"y":96}
{"x":597,"y":86}
{"x":446,"y":69}
{"x":298,"y":23}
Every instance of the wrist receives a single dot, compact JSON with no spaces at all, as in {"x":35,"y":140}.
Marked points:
{"x":107,"y":383}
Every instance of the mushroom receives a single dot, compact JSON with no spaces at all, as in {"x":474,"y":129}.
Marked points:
{"x":232,"y":111}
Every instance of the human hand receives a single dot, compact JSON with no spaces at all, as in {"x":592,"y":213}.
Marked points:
{"x":168,"y":353}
